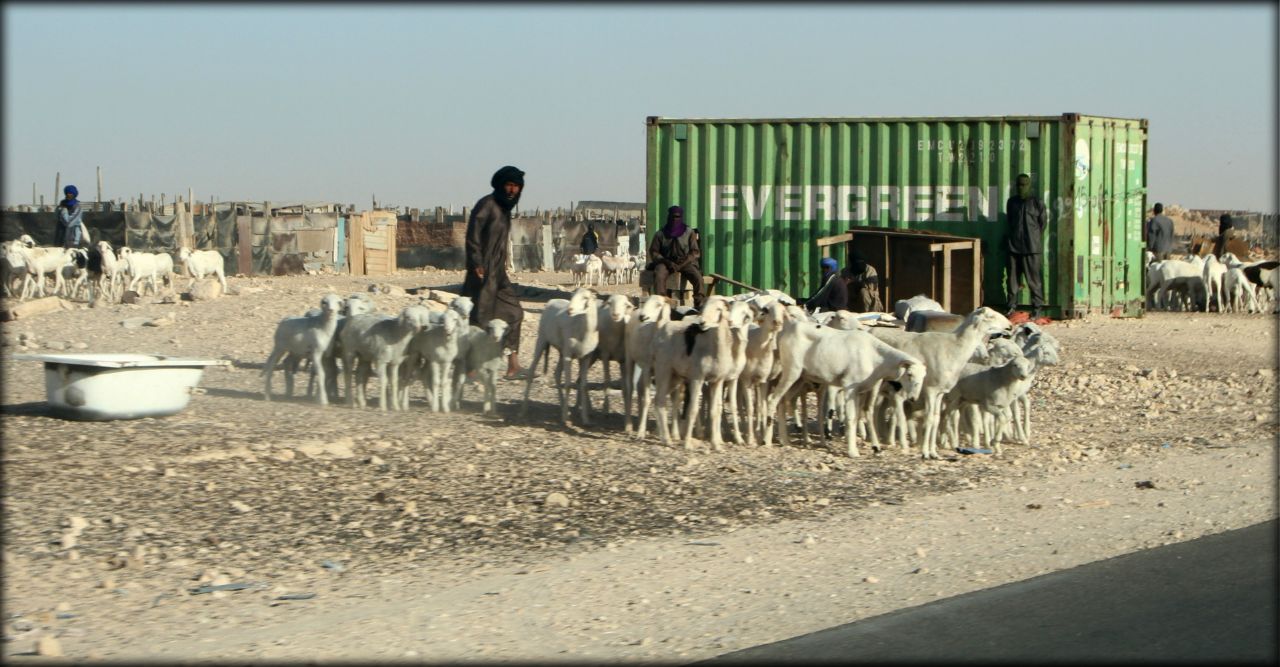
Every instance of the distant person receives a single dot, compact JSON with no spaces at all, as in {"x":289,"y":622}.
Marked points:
{"x":486,"y":281}
{"x":70,"y":231}
{"x":590,"y":242}
{"x":864,"y":286}
{"x":833,"y":294}
{"x":1160,"y":233}
{"x":675,"y":249}
{"x":1025,"y":214}
{"x":1225,"y":234}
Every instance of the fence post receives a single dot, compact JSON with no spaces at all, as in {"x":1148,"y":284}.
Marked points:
{"x":99,"y":187}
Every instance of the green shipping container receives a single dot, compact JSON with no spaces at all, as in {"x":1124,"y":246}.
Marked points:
{"x":761,"y":192}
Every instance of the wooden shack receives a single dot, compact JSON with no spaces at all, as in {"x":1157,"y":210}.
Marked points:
{"x":940,"y":266}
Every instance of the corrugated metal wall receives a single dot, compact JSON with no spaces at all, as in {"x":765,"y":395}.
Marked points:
{"x":761,"y":192}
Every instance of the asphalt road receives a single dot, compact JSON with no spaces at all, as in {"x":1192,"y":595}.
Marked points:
{"x":1208,"y":600}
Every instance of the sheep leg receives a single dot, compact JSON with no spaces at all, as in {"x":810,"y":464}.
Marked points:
{"x":382,"y":371}
{"x":269,"y":368}
{"x":605,"y":361}
{"x":347,"y":369}
{"x":560,"y":390}
{"x":717,"y":411}
{"x":661,"y":399}
{"x":539,"y":349}
{"x":642,"y":423}
{"x":317,"y":367}
{"x":694,"y":392}
{"x":628,"y":390}
{"x":584,"y":399}
{"x":851,"y":418}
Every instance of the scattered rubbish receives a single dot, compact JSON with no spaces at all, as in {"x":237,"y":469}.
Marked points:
{"x":220,"y":587}
{"x":330,"y":565}
{"x":973,"y":450}
{"x":1145,"y":484}
{"x":296,"y":596}
{"x":1166,"y":446}
{"x":703,"y":543}
{"x":1125,"y":466}
{"x":1033,"y":506}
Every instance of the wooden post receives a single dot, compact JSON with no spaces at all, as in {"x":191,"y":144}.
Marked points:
{"x":191,"y":199}
{"x":99,"y":187}
{"x":57,"y":187}
{"x":33,"y":193}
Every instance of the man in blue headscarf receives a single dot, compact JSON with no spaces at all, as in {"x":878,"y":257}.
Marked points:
{"x":834,"y":293}
{"x":69,"y":232}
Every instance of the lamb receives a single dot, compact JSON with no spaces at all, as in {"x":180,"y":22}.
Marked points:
{"x":992,"y":391}
{"x":200,"y":263}
{"x":854,"y":361}
{"x":612,"y":318}
{"x":1163,"y":275}
{"x":381,"y":342}
{"x":570,"y":326}
{"x":112,"y":271}
{"x":654,"y":311}
{"x":578,"y":269}
{"x":141,"y":265}
{"x":613,"y":268}
{"x":761,"y":362}
{"x":13,"y":269}
{"x":595,"y":270}
{"x":431,"y":356}
{"x":484,"y":356}
{"x":357,"y":303}
{"x":304,"y":337}
{"x":944,"y":354}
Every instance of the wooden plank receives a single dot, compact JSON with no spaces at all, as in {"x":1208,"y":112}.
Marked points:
{"x":355,"y":245}
{"x":244,"y":246}
{"x":832,"y":240}
{"x":946,"y":280}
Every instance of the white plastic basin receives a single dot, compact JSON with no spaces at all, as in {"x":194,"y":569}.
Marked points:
{"x":118,"y":385}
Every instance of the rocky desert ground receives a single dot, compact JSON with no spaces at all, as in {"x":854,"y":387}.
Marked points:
{"x":241,"y":529}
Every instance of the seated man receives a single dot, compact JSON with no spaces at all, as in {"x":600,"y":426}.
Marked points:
{"x":675,"y":249}
{"x":834,"y":293}
{"x":864,"y":285}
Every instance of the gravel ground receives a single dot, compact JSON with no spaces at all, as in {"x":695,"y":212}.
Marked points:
{"x":437,"y":537}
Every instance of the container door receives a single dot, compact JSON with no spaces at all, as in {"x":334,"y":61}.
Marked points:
{"x":1128,"y":252}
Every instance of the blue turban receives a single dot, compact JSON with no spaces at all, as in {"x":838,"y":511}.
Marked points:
{"x":830,"y":264}
{"x":70,"y":190}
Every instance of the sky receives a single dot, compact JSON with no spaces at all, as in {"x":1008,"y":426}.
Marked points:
{"x":418,"y":104}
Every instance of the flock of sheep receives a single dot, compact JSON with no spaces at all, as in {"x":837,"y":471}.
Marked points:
{"x":97,"y":271}
{"x":1197,"y":283}
{"x":605,"y":268}
{"x":756,"y":353}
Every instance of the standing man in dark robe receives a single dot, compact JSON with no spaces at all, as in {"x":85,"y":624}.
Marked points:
{"x":1225,"y":226}
{"x":590,"y":241}
{"x":864,"y":285}
{"x":675,"y":249}
{"x":487,"y":282}
{"x":1025,"y":214}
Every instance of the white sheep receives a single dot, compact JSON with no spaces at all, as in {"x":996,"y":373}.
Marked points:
{"x":1212,"y":275}
{"x":578,"y":269}
{"x":761,"y":364}
{"x":944,"y":354}
{"x":379,"y":343}
{"x":112,"y":272}
{"x":700,"y":351}
{"x":304,"y":337}
{"x":197,"y":264}
{"x":358,"y":303}
{"x":484,"y":357}
{"x":853,"y":361}
{"x":39,"y":262}
{"x":903,"y":308}
{"x":611,"y":320}
{"x":595,"y":270}
{"x":990,"y":392}
{"x":569,"y":326}
{"x":653,"y":311}
{"x":430,"y":357}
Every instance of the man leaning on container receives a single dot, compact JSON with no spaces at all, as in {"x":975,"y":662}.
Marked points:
{"x":1025,"y":213}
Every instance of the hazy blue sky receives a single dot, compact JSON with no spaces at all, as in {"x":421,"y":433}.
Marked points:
{"x":421,"y":103}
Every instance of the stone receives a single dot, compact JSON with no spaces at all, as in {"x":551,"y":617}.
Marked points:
{"x":160,"y":321}
{"x":241,"y":507}
{"x":55,"y":345}
{"x":870,"y":580}
{"x":556,"y":499}
{"x":205,"y":289}
{"x":48,"y":646}
{"x":134,"y":322}
{"x":80,"y":346}
{"x":77,"y":524}
{"x":68,"y":541}
{"x":130,"y":297}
